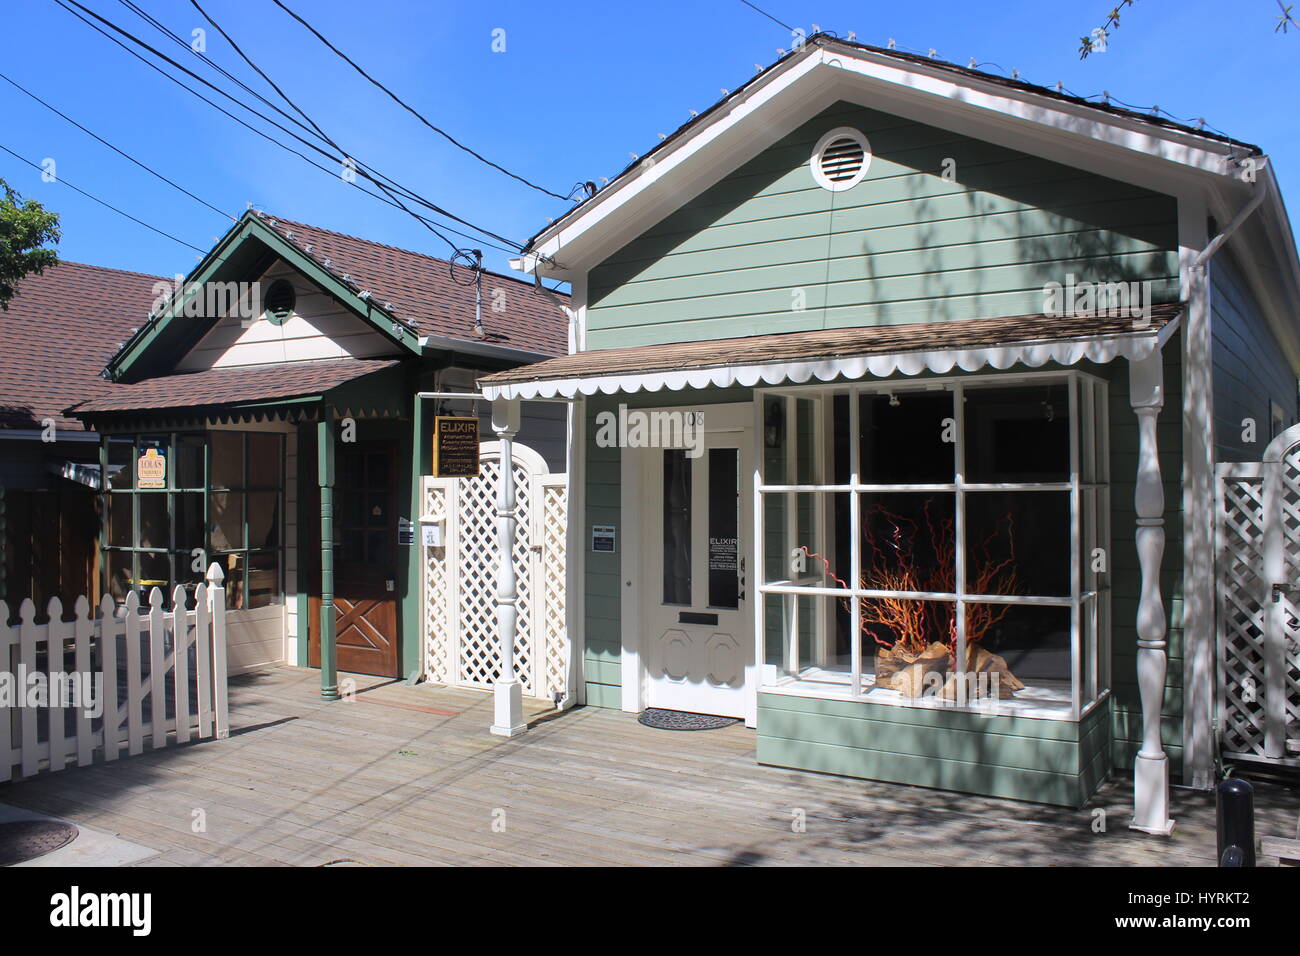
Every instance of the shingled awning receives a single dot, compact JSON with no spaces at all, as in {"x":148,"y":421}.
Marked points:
{"x":229,"y":386}
{"x":851,"y":353}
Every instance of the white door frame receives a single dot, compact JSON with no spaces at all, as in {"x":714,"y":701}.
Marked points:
{"x":719,"y":417}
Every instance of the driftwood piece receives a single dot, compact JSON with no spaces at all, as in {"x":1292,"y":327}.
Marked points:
{"x":906,"y":672}
{"x":986,"y":674}
{"x":909,"y":673}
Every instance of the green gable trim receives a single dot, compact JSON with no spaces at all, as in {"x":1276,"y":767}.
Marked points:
{"x":246,"y":249}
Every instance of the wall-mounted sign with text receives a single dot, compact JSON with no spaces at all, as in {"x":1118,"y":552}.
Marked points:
{"x":455,"y":447}
{"x":151,"y":469}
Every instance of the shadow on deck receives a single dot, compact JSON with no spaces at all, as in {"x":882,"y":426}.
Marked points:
{"x":410,"y":775}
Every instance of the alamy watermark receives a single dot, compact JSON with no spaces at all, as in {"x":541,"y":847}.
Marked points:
{"x":241,"y":300}
{"x":1131,"y":300}
{"x":636,"y":428}
{"x":37,"y":689}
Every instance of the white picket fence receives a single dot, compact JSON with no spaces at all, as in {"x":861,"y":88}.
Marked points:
{"x":148,"y":690}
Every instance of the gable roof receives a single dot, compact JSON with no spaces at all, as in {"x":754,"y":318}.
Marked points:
{"x":61,"y":328}
{"x":1123,"y":144}
{"x":423,"y":293}
{"x":406,"y":296}
{"x":826,"y":39}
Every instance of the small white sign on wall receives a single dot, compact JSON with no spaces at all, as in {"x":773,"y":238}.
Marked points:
{"x":603,"y":537}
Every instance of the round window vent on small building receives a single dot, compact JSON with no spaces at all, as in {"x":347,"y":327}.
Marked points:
{"x":840,"y":159}
{"x":279,"y":300}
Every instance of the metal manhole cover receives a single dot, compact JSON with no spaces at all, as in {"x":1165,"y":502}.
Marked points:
{"x":24,"y":840}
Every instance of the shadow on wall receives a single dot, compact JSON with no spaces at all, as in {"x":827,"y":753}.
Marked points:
{"x":943,"y":227}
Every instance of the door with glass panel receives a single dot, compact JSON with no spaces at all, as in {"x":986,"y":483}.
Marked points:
{"x":697,"y":648}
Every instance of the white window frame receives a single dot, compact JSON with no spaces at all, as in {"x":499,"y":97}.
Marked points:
{"x":1089,"y":488}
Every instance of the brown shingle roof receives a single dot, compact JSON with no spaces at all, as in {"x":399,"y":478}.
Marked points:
{"x":423,"y":294}
{"x":827,"y":344}
{"x":229,"y":386}
{"x":61,"y":328}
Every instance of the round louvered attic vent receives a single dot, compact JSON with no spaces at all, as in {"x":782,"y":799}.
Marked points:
{"x":279,"y":300}
{"x":840,"y":159}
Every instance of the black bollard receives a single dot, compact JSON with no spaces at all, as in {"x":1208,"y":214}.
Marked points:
{"x":1236,"y":822}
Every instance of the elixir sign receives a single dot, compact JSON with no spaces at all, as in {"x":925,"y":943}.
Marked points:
{"x":455,"y":447}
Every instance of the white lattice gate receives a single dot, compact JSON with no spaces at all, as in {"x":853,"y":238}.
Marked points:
{"x":459,"y":599}
{"x":1258,"y":515}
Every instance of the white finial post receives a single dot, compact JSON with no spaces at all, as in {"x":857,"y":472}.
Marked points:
{"x":508,"y":692}
{"x":217,"y":615}
{"x":1151,"y":770}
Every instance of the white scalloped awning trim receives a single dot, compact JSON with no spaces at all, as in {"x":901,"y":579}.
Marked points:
{"x":1130,"y":345}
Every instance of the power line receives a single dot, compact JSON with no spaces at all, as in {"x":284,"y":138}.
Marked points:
{"x":785,"y":26}
{"x":107,"y":205}
{"x":120,"y":152}
{"x":360,"y":168}
{"x":320,"y":132}
{"x":410,"y":109}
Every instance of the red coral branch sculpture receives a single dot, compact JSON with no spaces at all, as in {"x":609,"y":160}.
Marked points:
{"x":913,"y":624}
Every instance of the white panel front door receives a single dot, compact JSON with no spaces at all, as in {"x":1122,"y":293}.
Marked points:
{"x":696,"y":640}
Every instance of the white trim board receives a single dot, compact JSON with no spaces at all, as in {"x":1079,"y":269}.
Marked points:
{"x":1124,"y":148}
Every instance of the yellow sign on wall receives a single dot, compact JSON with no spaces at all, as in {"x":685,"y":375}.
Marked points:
{"x":151,"y":469}
{"x":455,"y":447}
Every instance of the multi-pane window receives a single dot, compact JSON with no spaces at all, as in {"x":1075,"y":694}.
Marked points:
{"x":938,"y":542}
{"x":174,"y":502}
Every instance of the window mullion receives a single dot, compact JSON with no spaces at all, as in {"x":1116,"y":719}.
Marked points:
{"x":855,"y":545}
{"x":959,"y":537}
{"x":1076,"y":657}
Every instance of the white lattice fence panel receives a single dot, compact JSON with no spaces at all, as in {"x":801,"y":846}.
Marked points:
{"x":1242,"y":589}
{"x":439,"y":635}
{"x":479,"y":659}
{"x":1288,"y":507}
{"x":553,"y":529}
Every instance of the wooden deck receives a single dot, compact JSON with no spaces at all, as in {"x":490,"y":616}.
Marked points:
{"x":410,"y":775}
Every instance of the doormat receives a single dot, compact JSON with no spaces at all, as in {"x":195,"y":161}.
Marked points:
{"x":680,"y":720}
{"x":24,"y":840}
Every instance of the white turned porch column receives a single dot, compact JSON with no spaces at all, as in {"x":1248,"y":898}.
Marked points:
{"x":1151,"y":773}
{"x":508,"y":715}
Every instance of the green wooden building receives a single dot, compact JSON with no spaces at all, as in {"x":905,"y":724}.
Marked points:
{"x":274,"y":413}
{"x":899,"y":389}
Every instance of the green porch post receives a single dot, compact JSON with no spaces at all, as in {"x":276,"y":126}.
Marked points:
{"x":329,"y":678}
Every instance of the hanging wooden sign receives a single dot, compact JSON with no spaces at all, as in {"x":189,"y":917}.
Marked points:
{"x":455,"y":447}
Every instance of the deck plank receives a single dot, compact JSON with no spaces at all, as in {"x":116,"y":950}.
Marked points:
{"x":409,"y":775}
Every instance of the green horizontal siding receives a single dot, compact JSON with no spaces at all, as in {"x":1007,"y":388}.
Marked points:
{"x":904,"y":245}
{"x":1044,"y":761}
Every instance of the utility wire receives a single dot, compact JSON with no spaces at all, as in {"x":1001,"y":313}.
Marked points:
{"x":313,"y":146}
{"x":107,"y":205}
{"x":320,"y":132}
{"x":786,"y":26}
{"x":120,"y":152}
{"x":410,"y":109}
{"x":313,"y":129}
{"x":333,"y":174}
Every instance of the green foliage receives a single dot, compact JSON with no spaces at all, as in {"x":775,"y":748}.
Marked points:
{"x":27,"y":230}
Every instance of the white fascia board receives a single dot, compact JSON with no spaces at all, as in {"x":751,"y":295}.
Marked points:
{"x":1139,"y":153}
{"x":1130,"y":345}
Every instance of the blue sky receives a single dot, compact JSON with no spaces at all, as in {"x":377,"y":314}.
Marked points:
{"x":579,"y":87}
